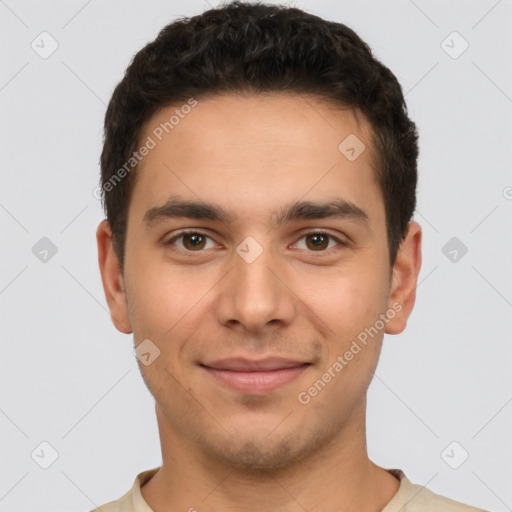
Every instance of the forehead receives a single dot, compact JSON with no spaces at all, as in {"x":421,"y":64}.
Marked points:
{"x":255,"y":152}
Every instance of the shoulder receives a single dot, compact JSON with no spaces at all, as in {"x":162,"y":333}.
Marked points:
{"x":417,"y":498}
{"x":123,"y":504}
{"x":425,"y":499}
{"x":132,"y":501}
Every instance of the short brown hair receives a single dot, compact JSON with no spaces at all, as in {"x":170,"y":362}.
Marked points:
{"x":258,"y":47}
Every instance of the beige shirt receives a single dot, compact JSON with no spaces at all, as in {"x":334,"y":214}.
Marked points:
{"x":409,"y":498}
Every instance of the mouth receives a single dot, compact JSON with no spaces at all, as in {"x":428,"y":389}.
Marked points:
{"x":255,"y":376}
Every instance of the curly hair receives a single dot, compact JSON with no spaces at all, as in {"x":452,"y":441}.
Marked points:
{"x":255,"y":47}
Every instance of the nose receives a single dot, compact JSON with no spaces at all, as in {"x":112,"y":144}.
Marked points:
{"x":255,"y":295}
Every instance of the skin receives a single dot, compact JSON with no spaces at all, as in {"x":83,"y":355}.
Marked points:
{"x":229,"y":450}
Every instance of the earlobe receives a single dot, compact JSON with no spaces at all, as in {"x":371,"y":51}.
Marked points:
{"x":404,"y":279}
{"x":112,"y":279}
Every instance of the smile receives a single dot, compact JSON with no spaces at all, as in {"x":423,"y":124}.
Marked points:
{"x":255,"y":378}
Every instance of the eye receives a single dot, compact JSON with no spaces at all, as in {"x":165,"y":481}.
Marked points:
{"x":318,"y":241}
{"x":192,"y":241}
{"x":197,"y":241}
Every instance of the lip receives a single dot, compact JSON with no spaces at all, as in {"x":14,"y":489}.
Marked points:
{"x":255,"y":376}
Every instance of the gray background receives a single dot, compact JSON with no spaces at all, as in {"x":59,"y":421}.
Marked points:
{"x":68,"y":378}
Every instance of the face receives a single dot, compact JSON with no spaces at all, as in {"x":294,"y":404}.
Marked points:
{"x":257,"y":273}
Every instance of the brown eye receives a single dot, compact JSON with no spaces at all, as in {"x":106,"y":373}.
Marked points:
{"x":191,"y":241}
{"x":317,"y":241}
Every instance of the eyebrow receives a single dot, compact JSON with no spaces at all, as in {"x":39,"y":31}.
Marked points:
{"x":298,"y":210}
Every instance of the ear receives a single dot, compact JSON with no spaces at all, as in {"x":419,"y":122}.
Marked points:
{"x":112,"y":278}
{"x":404,"y":279}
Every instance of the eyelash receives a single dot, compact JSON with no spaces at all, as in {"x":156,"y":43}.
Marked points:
{"x":200,"y":233}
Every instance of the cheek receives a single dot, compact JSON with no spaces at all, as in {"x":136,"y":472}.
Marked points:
{"x":346,"y":300}
{"x":163,"y":295}
{"x":171,"y":309}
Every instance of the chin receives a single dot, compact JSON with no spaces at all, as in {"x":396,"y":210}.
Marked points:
{"x":262,"y":456}
{"x":261,"y":450}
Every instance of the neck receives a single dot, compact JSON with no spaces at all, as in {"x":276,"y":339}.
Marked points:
{"x":339,"y":476}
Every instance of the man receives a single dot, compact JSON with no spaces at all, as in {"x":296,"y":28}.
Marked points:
{"x":259,"y":180}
